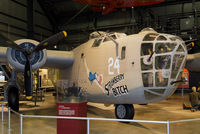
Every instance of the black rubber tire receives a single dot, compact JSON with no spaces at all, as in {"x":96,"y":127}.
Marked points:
{"x":13,"y":98}
{"x":127,"y":108}
{"x":144,"y":104}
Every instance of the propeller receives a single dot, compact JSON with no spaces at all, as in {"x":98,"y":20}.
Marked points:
{"x":9,"y":43}
{"x":51,"y":41}
{"x":28,"y":78}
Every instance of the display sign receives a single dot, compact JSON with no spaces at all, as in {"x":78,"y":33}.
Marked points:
{"x":63,"y":110}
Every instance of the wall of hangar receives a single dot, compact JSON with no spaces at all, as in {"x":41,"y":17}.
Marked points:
{"x":14,"y":20}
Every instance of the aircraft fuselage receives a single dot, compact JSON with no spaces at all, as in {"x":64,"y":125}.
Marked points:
{"x":140,"y":69}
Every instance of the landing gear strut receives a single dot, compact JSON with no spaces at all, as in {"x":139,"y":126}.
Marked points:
{"x":13,"y":98}
{"x":124,"y":111}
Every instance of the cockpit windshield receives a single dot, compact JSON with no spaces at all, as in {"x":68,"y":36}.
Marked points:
{"x":98,"y":38}
{"x":97,"y":42}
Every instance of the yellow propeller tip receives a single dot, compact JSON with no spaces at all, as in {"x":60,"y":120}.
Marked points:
{"x":192,"y":44}
{"x":45,"y":44}
{"x":65,"y":33}
{"x":28,"y":97}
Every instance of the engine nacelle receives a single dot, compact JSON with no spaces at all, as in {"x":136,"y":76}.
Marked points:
{"x":17,"y":60}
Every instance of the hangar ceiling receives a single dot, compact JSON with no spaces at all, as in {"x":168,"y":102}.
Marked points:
{"x":61,"y":11}
{"x":171,"y":16}
{"x":38,"y":19}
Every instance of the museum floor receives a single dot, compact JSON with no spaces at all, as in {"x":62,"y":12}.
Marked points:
{"x":170,"y":109}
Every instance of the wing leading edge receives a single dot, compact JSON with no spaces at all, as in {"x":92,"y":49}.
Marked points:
{"x":55,"y":59}
{"x":59,"y":59}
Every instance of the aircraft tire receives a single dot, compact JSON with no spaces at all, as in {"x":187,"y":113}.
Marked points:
{"x":13,"y":98}
{"x":124,"y":111}
{"x":144,"y":104}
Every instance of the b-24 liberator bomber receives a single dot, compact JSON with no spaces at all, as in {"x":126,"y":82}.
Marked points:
{"x":113,"y":68}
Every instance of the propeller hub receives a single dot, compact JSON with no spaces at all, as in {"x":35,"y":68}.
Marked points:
{"x":21,"y":56}
{"x":17,"y":58}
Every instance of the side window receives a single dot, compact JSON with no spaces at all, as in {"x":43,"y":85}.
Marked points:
{"x":123,"y":53}
{"x":97,"y":42}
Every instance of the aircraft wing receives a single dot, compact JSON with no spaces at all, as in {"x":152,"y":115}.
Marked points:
{"x":59,"y":59}
{"x":193,"y":62}
{"x":3,"y":58}
{"x":64,"y":59}
{"x":55,"y":59}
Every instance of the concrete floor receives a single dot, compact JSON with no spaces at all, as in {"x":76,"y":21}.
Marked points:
{"x":170,"y":109}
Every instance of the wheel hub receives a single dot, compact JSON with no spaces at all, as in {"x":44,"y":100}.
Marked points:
{"x":121,"y":111}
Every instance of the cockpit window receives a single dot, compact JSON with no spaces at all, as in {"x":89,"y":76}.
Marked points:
{"x":175,"y":38}
{"x":160,"y":38}
{"x":150,"y":37}
{"x":163,"y":62}
{"x":177,"y":60}
{"x":160,"y":80}
{"x":146,"y":48}
{"x":97,"y":42}
{"x":180,"y":49}
{"x":164,"y":47}
{"x":145,"y":66}
{"x":147,"y":79}
{"x":113,"y":36}
{"x":106,"y":39}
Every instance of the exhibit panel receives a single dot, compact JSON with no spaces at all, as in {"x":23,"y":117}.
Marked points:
{"x":71,"y":102}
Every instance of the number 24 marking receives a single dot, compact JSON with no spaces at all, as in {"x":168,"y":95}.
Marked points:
{"x":110,"y":65}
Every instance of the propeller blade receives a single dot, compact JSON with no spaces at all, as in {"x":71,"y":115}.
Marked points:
{"x":9,"y":43}
{"x":28,"y":78}
{"x":53,"y":40}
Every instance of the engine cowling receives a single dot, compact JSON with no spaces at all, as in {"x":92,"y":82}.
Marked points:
{"x":17,"y":60}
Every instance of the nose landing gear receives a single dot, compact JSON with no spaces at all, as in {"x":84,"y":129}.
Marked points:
{"x":124,"y":111}
{"x":13,"y":98}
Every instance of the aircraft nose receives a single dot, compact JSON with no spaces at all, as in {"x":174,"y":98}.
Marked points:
{"x":160,"y":74}
{"x":169,"y":63}
{"x":162,"y":60}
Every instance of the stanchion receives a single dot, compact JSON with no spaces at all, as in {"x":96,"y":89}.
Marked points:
{"x":2,"y":112}
{"x":8,"y":118}
{"x":88,"y":126}
{"x":167,"y":127}
{"x":21,"y":122}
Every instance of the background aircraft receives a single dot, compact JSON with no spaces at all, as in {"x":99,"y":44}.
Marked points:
{"x":106,"y":6}
{"x":113,"y":68}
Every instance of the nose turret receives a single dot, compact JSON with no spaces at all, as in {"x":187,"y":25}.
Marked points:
{"x":162,"y":60}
